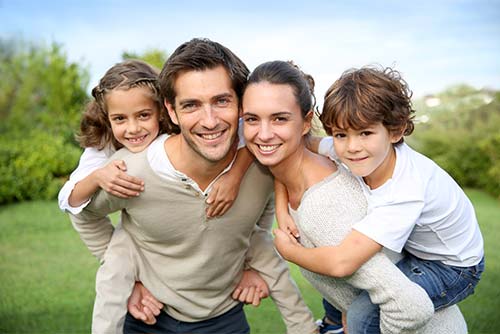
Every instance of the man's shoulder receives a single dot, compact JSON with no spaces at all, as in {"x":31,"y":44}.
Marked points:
{"x":258,"y":177}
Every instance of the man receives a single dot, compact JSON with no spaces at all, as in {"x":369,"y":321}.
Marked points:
{"x":189,"y":262}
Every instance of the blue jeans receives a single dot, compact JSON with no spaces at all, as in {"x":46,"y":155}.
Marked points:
{"x":231,"y":322}
{"x":446,"y":285}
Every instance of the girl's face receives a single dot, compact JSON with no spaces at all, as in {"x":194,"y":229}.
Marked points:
{"x":134,"y":117}
{"x":368,"y":153}
{"x":273,"y":123}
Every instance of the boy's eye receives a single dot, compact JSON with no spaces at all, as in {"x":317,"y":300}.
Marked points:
{"x":366,"y":133}
{"x":338,"y":135}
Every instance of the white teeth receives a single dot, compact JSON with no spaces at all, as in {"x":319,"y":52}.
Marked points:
{"x":268,"y":148}
{"x":136,"y":140}
{"x":212,"y":136}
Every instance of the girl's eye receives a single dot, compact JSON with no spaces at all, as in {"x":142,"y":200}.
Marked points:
{"x":117,"y":118}
{"x":144,"y":116}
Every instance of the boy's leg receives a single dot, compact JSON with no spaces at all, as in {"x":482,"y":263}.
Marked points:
{"x":363,"y":316}
{"x":445,"y":285}
{"x":332,"y":321}
{"x":114,"y":283}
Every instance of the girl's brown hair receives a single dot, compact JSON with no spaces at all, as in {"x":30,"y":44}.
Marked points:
{"x":363,"y":97}
{"x":95,"y":128}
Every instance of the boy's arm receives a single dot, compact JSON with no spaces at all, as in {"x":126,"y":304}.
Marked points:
{"x":225,"y":190}
{"x":336,"y":261}
{"x":285,"y":221}
{"x":312,"y":143}
{"x":263,"y":258}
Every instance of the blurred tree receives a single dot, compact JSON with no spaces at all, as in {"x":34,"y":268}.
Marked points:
{"x":41,"y":96}
{"x":40,"y":89}
{"x":458,"y":128}
{"x":154,"y":57}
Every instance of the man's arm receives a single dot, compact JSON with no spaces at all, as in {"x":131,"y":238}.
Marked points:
{"x":93,"y":224}
{"x":263,"y":258}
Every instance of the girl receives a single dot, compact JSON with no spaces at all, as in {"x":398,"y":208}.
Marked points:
{"x":412,"y":203}
{"x":126,"y":112}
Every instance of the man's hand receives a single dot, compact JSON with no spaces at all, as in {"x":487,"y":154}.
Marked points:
{"x":143,"y":305}
{"x":285,"y":243}
{"x":251,"y":289}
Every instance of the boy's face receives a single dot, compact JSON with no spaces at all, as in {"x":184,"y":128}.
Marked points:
{"x":134,"y":117}
{"x":367,"y":152}
{"x":206,"y":111}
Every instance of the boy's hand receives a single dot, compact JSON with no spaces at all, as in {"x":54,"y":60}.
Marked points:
{"x":287,"y":225}
{"x":142,"y":305}
{"x":222,"y":195}
{"x":114,"y":180}
{"x":251,"y":288}
{"x":285,"y":243}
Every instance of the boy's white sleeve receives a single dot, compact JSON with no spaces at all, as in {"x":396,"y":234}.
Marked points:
{"x":90,"y":160}
{"x":325,"y":148}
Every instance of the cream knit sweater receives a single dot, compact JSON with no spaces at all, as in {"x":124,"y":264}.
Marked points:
{"x":324,"y":217}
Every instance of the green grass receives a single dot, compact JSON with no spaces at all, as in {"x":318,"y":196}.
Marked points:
{"x":47,"y":275}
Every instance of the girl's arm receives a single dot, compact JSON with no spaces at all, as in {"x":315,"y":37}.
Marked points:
{"x":112,"y":178}
{"x":225,"y":189}
{"x":337,"y":261}
{"x":285,"y":221}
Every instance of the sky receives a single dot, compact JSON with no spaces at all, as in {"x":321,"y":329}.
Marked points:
{"x":434,"y":44}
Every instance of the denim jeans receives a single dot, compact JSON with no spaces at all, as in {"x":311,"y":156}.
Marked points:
{"x":231,"y":322}
{"x":446,"y":285}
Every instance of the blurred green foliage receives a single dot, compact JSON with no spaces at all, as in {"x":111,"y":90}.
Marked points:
{"x":152,"y":56}
{"x":458,"y":128}
{"x":41,"y":95}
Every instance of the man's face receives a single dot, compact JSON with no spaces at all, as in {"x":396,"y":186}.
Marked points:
{"x":206,"y":111}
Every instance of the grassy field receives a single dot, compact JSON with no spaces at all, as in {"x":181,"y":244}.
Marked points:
{"x":47,"y":275}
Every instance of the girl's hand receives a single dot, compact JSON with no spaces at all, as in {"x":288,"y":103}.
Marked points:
{"x":285,"y":243}
{"x":114,"y":180}
{"x":222,"y":195}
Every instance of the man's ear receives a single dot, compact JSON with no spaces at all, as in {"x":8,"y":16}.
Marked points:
{"x":171,"y":111}
{"x":307,"y":122}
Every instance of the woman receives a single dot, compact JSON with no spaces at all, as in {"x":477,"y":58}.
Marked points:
{"x":325,"y":199}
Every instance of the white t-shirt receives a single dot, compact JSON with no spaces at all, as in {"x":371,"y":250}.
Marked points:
{"x":93,"y":159}
{"x":422,"y":209}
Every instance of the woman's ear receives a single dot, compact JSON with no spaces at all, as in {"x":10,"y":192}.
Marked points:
{"x":307,"y":122}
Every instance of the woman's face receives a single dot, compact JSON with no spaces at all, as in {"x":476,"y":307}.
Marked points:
{"x":273,"y":125}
